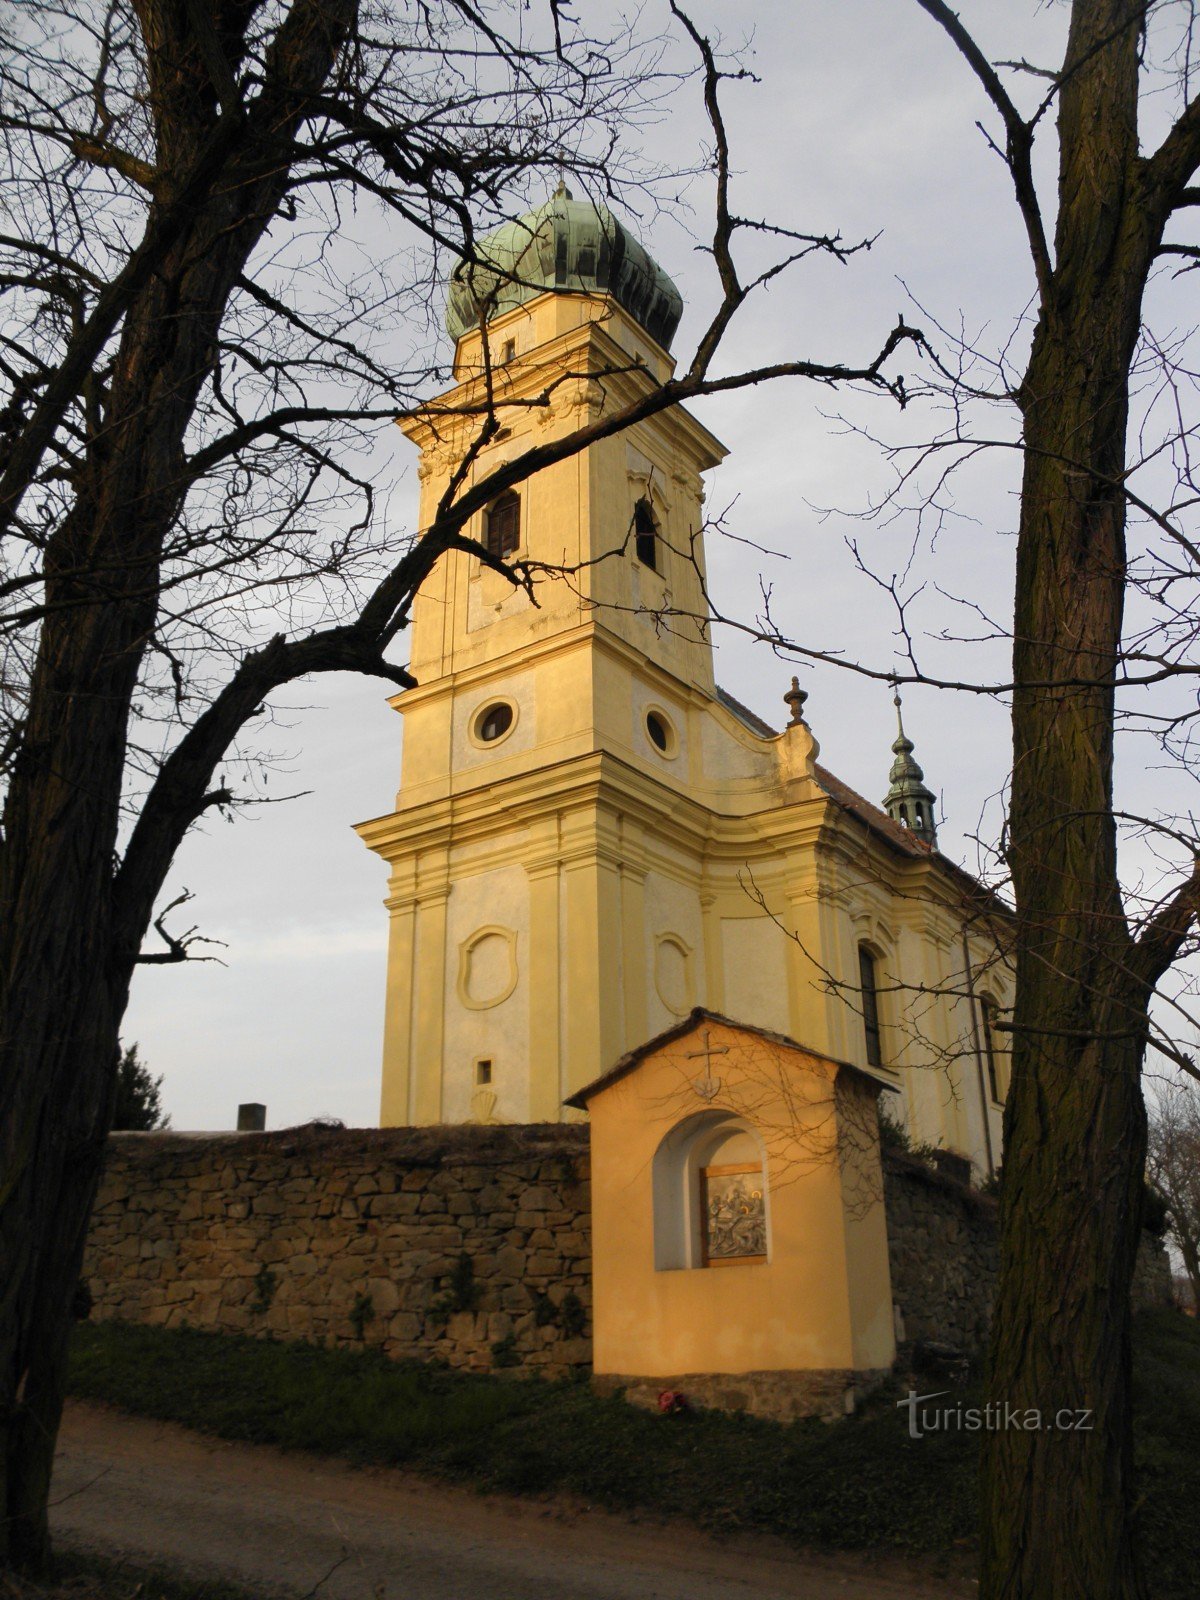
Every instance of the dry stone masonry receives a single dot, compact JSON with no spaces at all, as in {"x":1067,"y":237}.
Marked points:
{"x":468,"y":1245}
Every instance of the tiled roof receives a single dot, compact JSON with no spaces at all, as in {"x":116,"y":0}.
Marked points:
{"x":696,"y":1016}
{"x":877,"y":820}
{"x":873,"y":817}
{"x":744,"y":714}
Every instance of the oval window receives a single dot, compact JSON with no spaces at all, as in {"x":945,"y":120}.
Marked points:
{"x":494,"y":722}
{"x":659,"y":732}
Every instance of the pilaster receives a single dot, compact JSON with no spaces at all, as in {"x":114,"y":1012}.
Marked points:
{"x":429,"y":1001}
{"x":714,"y":954}
{"x":634,"y":972}
{"x":546,"y":1087}
{"x":594,"y":1001}
{"x":396,"y":1100}
{"x":806,"y":955}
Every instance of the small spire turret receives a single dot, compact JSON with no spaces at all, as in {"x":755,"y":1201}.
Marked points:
{"x":908,"y":801}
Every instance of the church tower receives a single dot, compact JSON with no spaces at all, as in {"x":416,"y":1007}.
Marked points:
{"x":590,"y":838}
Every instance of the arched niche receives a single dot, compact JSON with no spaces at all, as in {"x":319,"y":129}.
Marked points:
{"x":709,"y":1139}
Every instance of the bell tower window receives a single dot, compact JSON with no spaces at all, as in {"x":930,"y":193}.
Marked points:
{"x":502,"y":533}
{"x":645,"y":535}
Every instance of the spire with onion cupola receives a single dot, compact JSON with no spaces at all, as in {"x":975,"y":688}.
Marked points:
{"x":908,"y":801}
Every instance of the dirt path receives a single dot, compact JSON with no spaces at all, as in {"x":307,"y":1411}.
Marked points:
{"x":256,"y":1515}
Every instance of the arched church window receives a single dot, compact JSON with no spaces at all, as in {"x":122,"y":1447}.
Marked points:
{"x":645,"y":535}
{"x":502,"y":534}
{"x":869,"y":994}
{"x":988,"y":1012}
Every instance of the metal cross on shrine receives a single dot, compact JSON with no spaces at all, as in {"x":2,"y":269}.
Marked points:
{"x":707,"y":1086}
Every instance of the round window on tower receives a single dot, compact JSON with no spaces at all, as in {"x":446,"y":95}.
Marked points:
{"x":661,"y":732}
{"x":494,"y":722}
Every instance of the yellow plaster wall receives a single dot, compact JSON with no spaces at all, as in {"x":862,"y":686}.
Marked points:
{"x":499,"y":1032}
{"x":626,"y":868}
{"x":798,"y":1311}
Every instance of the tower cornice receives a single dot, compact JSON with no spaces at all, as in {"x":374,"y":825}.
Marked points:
{"x":443,"y":422}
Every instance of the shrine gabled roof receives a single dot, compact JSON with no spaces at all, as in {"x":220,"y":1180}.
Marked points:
{"x":633,"y":1058}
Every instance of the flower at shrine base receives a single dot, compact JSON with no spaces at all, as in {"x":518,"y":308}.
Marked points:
{"x":672,"y":1401}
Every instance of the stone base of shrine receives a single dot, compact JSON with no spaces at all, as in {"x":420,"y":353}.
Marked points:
{"x":780,"y":1396}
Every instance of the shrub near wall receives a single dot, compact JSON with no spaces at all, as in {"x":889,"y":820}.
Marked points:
{"x":467,"y":1245}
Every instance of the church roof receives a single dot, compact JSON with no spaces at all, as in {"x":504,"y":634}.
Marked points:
{"x":842,"y":795}
{"x":876,"y":819}
{"x":872,"y":817}
{"x":749,"y":718}
{"x":568,"y":245}
{"x":678,"y":1030}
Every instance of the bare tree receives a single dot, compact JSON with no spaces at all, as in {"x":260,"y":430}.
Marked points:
{"x":224,"y":218}
{"x":1173,"y":1166}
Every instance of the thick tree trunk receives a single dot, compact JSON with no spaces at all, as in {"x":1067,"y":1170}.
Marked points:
{"x":1057,"y":1497}
{"x":70,"y":928}
{"x":61,"y":999}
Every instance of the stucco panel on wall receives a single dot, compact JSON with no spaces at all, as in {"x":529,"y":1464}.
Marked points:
{"x":499,"y":1033}
{"x":727,"y":760}
{"x":674,"y":951}
{"x":518,"y":687}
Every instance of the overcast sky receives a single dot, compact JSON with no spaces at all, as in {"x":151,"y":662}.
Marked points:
{"x":863,"y":124}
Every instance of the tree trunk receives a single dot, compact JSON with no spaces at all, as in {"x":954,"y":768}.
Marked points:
{"x":68,"y":941}
{"x":1056,"y":1502}
{"x":1056,"y":1499}
{"x":61,"y":999}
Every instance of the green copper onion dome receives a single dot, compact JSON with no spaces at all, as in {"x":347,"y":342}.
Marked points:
{"x":573,"y":246}
{"x":908,"y":801}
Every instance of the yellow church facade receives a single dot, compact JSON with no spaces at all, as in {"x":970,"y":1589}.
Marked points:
{"x":590,"y":839}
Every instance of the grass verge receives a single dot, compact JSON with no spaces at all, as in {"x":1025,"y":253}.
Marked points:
{"x":79,"y":1575}
{"x":862,"y":1484}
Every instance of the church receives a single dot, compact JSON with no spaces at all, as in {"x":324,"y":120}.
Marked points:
{"x":591,"y":840}
{"x":659,"y":984}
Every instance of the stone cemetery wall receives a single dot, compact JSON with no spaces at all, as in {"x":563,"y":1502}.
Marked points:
{"x":943,"y":1252}
{"x":944,"y":1256}
{"x":468,"y":1245}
